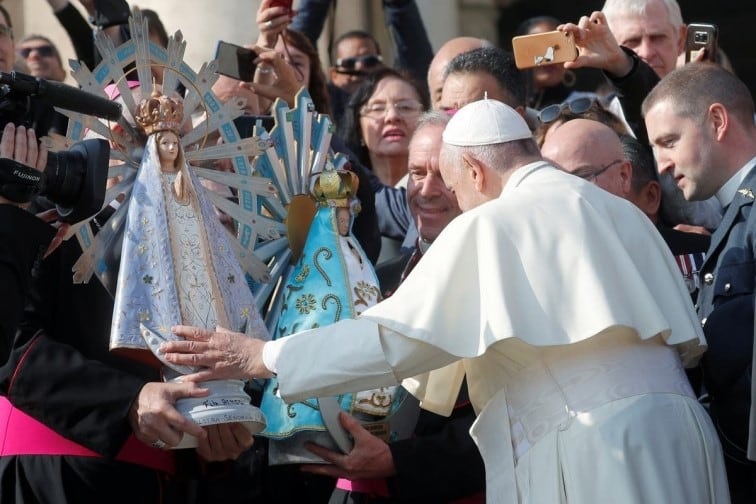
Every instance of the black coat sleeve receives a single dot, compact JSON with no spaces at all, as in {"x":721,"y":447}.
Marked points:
{"x":633,"y":89}
{"x":59,"y":369}
{"x":441,"y":463}
{"x":23,"y":240}
{"x":79,"y":32}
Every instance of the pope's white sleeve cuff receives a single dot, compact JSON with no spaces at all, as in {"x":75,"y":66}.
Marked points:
{"x":270,"y":353}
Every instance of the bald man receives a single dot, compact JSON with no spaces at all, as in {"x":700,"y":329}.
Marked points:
{"x":445,"y":54}
{"x":592,"y":151}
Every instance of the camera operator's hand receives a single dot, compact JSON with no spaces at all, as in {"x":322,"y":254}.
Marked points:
{"x":20,"y":144}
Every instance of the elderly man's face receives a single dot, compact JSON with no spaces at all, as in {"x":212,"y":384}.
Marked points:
{"x":456,"y":173}
{"x":7,"y":46}
{"x":592,"y":151}
{"x":651,"y":36}
{"x":432,"y":204}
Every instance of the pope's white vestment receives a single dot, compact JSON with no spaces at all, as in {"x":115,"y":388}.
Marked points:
{"x":565,"y":310}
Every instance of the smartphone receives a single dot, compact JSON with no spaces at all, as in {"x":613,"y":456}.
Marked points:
{"x":283,"y":3}
{"x":548,"y":48}
{"x":235,"y":61}
{"x":701,"y":36}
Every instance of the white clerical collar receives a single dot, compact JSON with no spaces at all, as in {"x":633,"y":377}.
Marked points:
{"x":423,"y":245}
{"x":727,"y":192}
{"x":522,"y":173}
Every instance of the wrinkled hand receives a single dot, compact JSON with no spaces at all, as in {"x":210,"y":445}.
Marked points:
{"x":20,"y":144}
{"x":270,"y":22}
{"x":153,"y":415}
{"x":370,"y":457}
{"x":286,"y":84}
{"x":224,"y":442}
{"x":597,"y":46}
{"x":225,"y":354}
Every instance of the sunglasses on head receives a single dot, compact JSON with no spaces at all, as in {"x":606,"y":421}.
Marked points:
{"x":576,"y":106}
{"x":45,"y":51}
{"x":367,"y":61}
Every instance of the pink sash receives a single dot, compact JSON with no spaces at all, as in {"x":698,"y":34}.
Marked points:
{"x":21,"y":434}
{"x":375,"y":487}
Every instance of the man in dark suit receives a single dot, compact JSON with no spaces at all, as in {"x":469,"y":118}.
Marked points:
{"x":700,"y":120}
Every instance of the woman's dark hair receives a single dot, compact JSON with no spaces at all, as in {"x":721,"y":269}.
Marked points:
{"x":527,"y":25}
{"x":317,"y":87}
{"x":155,"y":26}
{"x":349,"y":127}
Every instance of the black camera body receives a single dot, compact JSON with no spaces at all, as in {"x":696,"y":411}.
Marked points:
{"x":73,"y":180}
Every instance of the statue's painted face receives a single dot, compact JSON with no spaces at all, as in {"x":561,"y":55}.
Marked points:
{"x":343,"y":219}
{"x":168,"y":147}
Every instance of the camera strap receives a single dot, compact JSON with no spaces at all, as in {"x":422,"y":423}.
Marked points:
{"x":19,"y":183}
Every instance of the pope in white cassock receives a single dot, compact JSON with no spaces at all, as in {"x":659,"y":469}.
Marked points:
{"x":563,"y":307}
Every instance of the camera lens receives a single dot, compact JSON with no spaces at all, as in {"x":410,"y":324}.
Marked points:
{"x":701,"y":37}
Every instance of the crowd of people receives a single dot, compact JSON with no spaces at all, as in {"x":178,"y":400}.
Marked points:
{"x":568,"y":280}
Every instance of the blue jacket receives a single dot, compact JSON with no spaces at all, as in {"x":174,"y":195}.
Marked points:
{"x":726,"y":308}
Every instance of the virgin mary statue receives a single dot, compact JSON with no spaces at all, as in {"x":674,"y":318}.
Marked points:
{"x":178,"y":266}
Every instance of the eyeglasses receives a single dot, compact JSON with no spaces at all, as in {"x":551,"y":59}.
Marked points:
{"x":590,"y":174}
{"x":6,"y":31}
{"x":367,"y":61}
{"x":45,"y":51}
{"x":576,"y":106}
{"x":405,"y":108}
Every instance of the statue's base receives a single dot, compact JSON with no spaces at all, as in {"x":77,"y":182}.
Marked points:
{"x":226,"y":403}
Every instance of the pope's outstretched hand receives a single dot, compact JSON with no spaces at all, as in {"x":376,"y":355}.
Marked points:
{"x":222,"y":354}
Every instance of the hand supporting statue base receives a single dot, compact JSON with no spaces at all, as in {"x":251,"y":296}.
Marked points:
{"x":227,"y":401}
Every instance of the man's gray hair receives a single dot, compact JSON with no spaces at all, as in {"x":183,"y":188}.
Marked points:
{"x":500,"y":157}
{"x":615,"y":9}
{"x":432,"y":118}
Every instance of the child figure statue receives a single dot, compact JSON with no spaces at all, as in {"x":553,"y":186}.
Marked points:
{"x":178,"y":267}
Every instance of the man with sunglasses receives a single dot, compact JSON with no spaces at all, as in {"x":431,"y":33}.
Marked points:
{"x":355,"y":54}
{"x":41,"y":58}
{"x":41,"y":116}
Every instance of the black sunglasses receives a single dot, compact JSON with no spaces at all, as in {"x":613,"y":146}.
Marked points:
{"x":368,"y":61}
{"x":45,"y":51}
{"x":576,"y":106}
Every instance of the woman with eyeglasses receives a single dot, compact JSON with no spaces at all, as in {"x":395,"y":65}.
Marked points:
{"x":379,"y":120}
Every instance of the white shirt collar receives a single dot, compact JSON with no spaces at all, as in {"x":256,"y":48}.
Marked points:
{"x":727,"y":192}
{"x":522,"y":173}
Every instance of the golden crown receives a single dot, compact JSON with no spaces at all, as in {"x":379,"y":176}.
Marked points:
{"x":335,"y":187}
{"x":160,"y":113}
